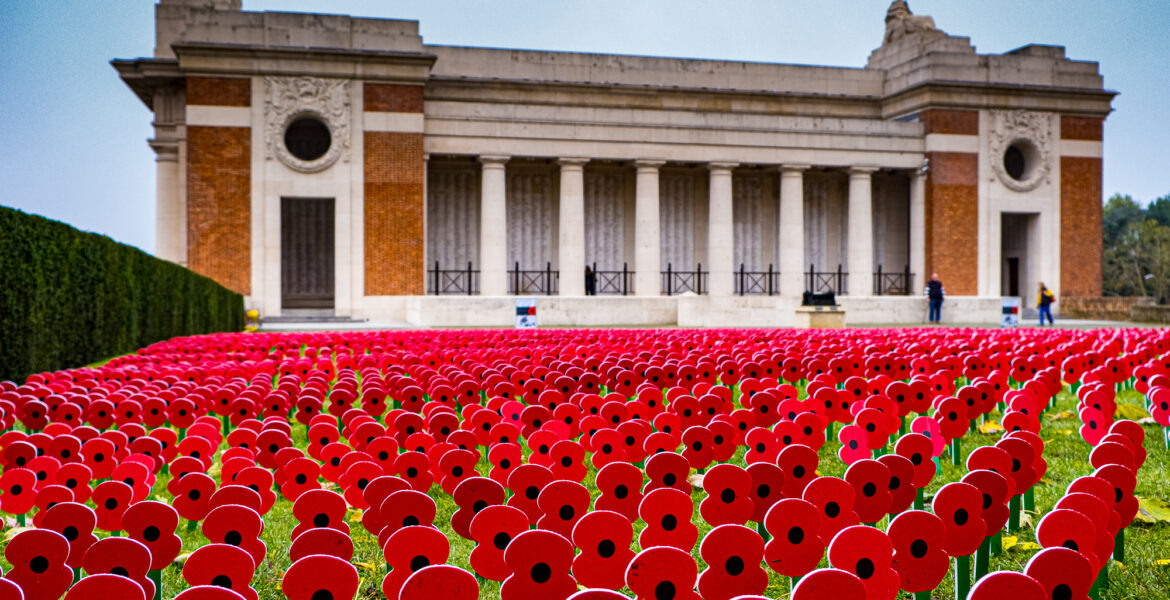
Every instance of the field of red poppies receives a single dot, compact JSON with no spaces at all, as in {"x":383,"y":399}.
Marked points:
{"x":593,"y":464}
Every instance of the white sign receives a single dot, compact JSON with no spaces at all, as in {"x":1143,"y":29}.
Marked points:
{"x":525,"y":313}
{"x":1011,"y":312}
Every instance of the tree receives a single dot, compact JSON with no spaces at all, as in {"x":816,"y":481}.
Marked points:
{"x":1120,"y":212}
{"x":1159,"y":210}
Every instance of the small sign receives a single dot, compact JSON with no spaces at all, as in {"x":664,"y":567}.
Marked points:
{"x":1011,"y":312}
{"x":525,"y":313}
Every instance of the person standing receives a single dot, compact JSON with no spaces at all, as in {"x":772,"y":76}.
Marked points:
{"x":590,"y":282}
{"x":1044,"y":302}
{"x":934,"y":292}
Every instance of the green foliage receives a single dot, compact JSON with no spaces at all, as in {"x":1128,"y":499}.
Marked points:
{"x":70,"y":298}
{"x":1137,"y":248}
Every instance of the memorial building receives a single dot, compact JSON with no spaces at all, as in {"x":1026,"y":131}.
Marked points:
{"x":325,"y":164}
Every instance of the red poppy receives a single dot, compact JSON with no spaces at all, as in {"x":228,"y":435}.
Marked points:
{"x":733,"y":554}
{"x":1023,"y":474}
{"x":317,"y":509}
{"x":19,"y":491}
{"x":526,"y":481}
{"x":698,"y":447}
{"x":258,"y":480}
{"x":867,"y":553}
{"x":49,"y":496}
{"x":473,"y":495}
{"x":796,"y":546}
{"x":1135,"y":434}
{"x":414,"y":467}
{"x":762,"y":446}
{"x":235,"y":494}
{"x":834,"y":499}
{"x":604,"y":538}
{"x":928,"y":427}
{"x":221,"y":565}
{"x":729,"y":496}
{"x":1100,"y":514}
{"x":960,"y":506}
{"x":853,"y":444}
{"x":193,"y":496}
{"x":439,"y":581}
{"x":919,"y":559}
{"x":493,"y":529}
{"x":663,"y":572}
{"x":1007,"y":584}
{"x":236,"y":525}
{"x":153,"y":524}
{"x":111,"y":499}
{"x":38,"y":563}
{"x":1070,"y":529}
{"x":767,"y":488}
{"x":667,"y":513}
{"x":321,"y":540}
{"x":121,"y":556}
{"x":667,"y":470}
{"x":100,"y":587}
{"x":409,"y":549}
{"x":301,"y":475}
{"x":320,"y":576}
{"x":1123,"y":482}
{"x":871,"y":482}
{"x":75,"y":522}
{"x":901,"y":486}
{"x":456,"y":466}
{"x":997,"y":460}
{"x":76,"y":476}
{"x":1064,"y":573}
{"x":829,"y":584}
{"x":568,"y":461}
{"x":598,"y":595}
{"x":405,"y":508}
{"x":539,"y":561}
{"x":562,"y":504}
{"x":620,"y":485}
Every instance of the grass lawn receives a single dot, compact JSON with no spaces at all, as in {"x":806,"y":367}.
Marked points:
{"x":1067,"y":454}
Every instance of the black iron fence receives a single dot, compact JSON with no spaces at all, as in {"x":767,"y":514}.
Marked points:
{"x":892,"y":284}
{"x":681,"y":282}
{"x":819,"y":282}
{"x":452,"y":281}
{"x":543,"y":282}
{"x":762,"y":283}
{"x":612,"y":282}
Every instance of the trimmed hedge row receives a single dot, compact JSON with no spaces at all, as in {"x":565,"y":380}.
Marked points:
{"x":70,"y":298}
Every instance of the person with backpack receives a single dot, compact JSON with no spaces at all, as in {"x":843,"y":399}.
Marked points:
{"x":1044,"y":302}
{"x":934,"y":292}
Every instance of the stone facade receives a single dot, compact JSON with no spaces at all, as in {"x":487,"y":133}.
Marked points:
{"x":670,"y":176}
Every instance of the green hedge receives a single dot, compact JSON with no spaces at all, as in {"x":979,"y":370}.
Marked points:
{"x":69,"y":298}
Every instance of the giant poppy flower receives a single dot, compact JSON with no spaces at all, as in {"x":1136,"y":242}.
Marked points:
{"x":733,"y":554}
{"x":620,"y":485}
{"x":121,"y":556}
{"x":667,"y":470}
{"x":919,"y":559}
{"x":38,"y":563}
{"x":1007,"y":584}
{"x":867,"y":553}
{"x":604,"y":538}
{"x":667,"y":513}
{"x":540,"y":562}
{"x":153,"y":525}
{"x":662,"y":572}
{"x":438,"y":581}
{"x":830,"y":584}
{"x":526,"y":482}
{"x":728,"y":497}
{"x":221,"y":565}
{"x":834,"y":499}
{"x":410,"y":549}
{"x":493,"y":529}
{"x":76,"y":523}
{"x":960,"y":506}
{"x":236,"y":525}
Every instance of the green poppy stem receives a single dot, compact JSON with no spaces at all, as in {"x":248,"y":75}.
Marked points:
{"x":1119,"y":546}
{"x":1014,"y":518}
{"x":982,"y":558}
{"x":962,"y":577}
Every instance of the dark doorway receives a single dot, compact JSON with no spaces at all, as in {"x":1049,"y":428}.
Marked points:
{"x":306,"y":253}
{"x":1013,"y":276}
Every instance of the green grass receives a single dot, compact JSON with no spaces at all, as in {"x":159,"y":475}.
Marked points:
{"x":1067,"y":455}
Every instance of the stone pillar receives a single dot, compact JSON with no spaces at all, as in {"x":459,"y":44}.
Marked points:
{"x":571,"y":257}
{"x":792,"y":263}
{"x":170,"y":235}
{"x":720,"y":232}
{"x":493,"y":228}
{"x":918,"y":232}
{"x":861,"y":231}
{"x":647,"y":237}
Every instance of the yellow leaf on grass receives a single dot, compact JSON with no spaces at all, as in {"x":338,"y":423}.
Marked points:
{"x":1008,"y":541}
{"x":1028,"y":546}
{"x":1152,"y":510}
{"x":366,"y":566}
{"x":1161,"y":562}
{"x":355,"y":516}
{"x":1133,"y":412}
{"x":1064,"y":414}
{"x":990,"y":427}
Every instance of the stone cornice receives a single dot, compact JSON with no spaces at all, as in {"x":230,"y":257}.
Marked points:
{"x":367,"y":65}
{"x":975,"y":96}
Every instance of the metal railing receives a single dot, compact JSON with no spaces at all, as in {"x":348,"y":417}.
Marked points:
{"x":612,"y":282}
{"x":542,"y":282}
{"x":892,"y":284}
{"x":819,"y":282}
{"x":681,"y":282}
{"x":763,"y":283}
{"x":452,"y":281}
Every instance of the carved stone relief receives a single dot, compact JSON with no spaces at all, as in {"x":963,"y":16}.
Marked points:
{"x":287,"y":99}
{"x":1031,"y":133}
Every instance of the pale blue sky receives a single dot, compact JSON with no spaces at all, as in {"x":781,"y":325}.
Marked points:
{"x":74,"y":136}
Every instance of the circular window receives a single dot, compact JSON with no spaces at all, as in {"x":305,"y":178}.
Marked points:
{"x":307,"y":138}
{"x":1019,"y":160}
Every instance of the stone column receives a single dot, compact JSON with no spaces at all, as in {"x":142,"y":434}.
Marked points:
{"x":647,"y":230}
{"x":571,"y":257}
{"x":861,"y":231}
{"x":170,"y":218}
{"x":792,"y":230}
{"x":918,"y":232}
{"x":720,"y":232}
{"x":493,"y":227}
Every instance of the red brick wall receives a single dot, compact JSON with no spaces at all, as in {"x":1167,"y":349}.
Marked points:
{"x":394,"y":213}
{"x":1081,"y":222}
{"x":393,"y":98}
{"x":1081,"y":128}
{"x":956,"y":122}
{"x":952,"y":221}
{"x":219,"y":226}
{"x":219,"y":91}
